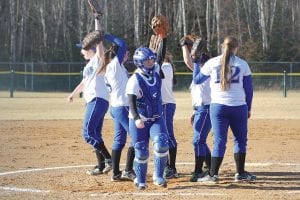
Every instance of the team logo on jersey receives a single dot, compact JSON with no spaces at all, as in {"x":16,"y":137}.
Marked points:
{"x":154,"y":94}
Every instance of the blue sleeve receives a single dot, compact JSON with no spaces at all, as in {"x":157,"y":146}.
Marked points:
{"x":122,"y":47}
{"x":247,"y":84}
{"x":198,"y":77}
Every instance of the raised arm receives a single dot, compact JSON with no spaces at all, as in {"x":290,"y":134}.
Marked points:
{"x":122,"y":47}
{"x":198,"y":77}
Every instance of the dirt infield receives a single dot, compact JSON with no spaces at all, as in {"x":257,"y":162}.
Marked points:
{"x":42,"y":154}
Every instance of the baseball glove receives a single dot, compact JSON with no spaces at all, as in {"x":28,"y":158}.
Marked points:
{"x":199,"y":50}
{"x":92,"y":39}
{"x":187,"y":40}
{"x":95,"y":7}
{"x":160,"y":25}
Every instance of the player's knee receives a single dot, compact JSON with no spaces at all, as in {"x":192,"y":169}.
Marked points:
{"x":160,"y":144}
{"x":118,"y":146}
{"x":141,"y":151}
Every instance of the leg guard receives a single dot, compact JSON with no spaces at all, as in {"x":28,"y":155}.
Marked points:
{"x":141,"y":161}
{"x":160,"y":147}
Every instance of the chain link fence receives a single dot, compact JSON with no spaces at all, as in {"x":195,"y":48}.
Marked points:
{"x":64,"y":76}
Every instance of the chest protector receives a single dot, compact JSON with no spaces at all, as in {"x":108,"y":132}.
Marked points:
{"x":150,"y":104}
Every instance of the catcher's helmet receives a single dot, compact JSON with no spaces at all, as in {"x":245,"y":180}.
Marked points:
{"x":142,"y":54}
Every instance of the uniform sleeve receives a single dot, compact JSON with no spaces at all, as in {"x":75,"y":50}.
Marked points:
{"x":122,"y":47}
{"x":198,"y":76}
{"x":247,"y":69}
{"x":133,"y":107}
{"x":167,"y":70}
{"x":247,"y":85}
{"x":132,"y":87}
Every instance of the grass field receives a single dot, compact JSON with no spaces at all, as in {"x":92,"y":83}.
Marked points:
{"x":37,"y":106}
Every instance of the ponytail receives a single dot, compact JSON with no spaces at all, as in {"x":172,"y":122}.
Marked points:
{"x":229,"y":45}
{"x":107,"y":57}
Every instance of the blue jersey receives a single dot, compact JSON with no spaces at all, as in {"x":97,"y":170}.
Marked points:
{"x":148,"y":92}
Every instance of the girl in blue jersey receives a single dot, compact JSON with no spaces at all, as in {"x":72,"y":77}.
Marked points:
{"x":145,"y":118}
{"x":231,"y":99}
{"x":116,"y":77}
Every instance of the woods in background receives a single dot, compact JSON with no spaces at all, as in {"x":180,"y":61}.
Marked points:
{"x":47,"y":30}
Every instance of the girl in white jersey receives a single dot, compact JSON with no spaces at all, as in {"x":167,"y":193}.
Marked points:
{"x":231,"y":93}
{"x":201,"y":102}
{"x":169,"y":107}
{"x":96,"y":97}
{"x":116,"y":77}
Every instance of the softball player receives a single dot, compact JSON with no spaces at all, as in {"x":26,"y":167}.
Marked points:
{"x":231,"y":93}
{"x":145,"y":118}
{"x":116,"y":77}
{"x":96,"y":97}
{"x":169,"y":107}
{"x":201,"y":119}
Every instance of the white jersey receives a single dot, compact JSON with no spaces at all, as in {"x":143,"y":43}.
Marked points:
{"x":235,"y":95}
{"x":94,"y":83}
{"x":134,"y":88}
{"x":116,"y":78}
{"x":167,"y":84}
{"x":200,"y":93}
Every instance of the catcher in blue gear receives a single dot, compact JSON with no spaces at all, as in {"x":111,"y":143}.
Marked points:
{"x":145,"y":118}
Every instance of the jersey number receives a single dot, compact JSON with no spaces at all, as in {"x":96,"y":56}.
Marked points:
{"x":235,"y":75}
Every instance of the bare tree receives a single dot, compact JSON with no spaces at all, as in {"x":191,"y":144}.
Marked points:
{"x":12,"y":5}
{"x":208,"y":24}
{"x":137,"y":22}
{"x":185,"y":31}
{"x":247,"y":9}
{"x":266,"y":12}
{"x":217,"y":13}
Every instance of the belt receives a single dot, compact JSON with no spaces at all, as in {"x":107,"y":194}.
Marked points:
{"x":201,"y":107}
{"x":152,"y":119}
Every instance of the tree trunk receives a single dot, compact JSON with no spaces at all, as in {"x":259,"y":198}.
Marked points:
{"x":208,"y":10}
{"x":217,"y":9}
{"x":185,"y":31}
{"x":262,"y":21}
{"x":238,"y":22}
{"x":247,"y":8}
{"x":12,"y":4}
{"x":137,"y":22}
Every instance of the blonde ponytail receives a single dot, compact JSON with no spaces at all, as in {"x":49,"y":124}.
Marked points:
{"x":229,"y":45}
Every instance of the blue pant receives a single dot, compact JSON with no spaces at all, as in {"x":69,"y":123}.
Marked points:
{"x":156,"y":130}
{"x":223,"y":117}
{"x":93,"y":121}
{"x":121,"y":126}
{"x":169,"y":111}
{"x":202,"y":127}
